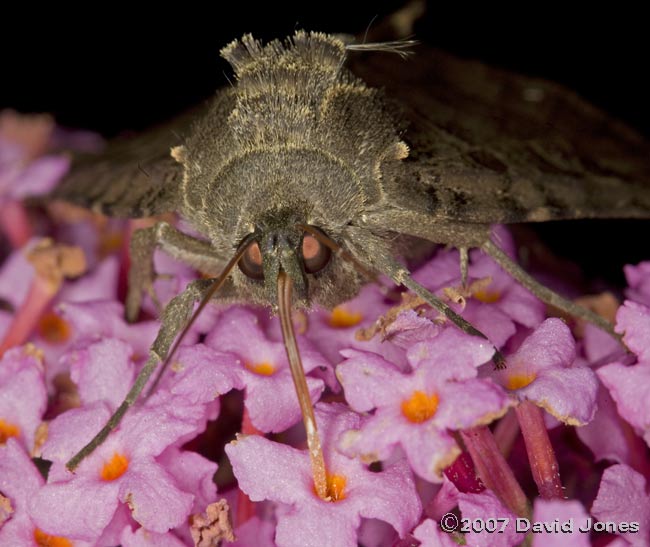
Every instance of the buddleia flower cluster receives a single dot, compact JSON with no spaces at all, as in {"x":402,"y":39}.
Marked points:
{"x":425,"y":442}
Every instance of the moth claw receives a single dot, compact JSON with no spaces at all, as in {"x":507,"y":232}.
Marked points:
{"x":499,"y":360}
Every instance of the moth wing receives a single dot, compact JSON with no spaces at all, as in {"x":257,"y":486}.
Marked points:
{"x":133,"y":176}
{"x":491,"y":146}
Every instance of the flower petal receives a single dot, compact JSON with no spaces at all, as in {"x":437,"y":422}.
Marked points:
{"x":564,"y":511}
{"x":268,"y":470}
{"x":633,"y":320}
{"x":146,"y":538}
{"x":569,"y":394}
{"x":430,"y":535}
{"x":628,"y":386}
{"x":470,"y":403}
{"x":154,"y":499}
{"x":622,"y":498}
{"x":317,"y":528}
{"x":79,"y":508}
{"x":272,"y":402}
{"x":103,"y":371}
{"x":485,"y":508}
{"x":367,"y":379}
{"x":551,"y":344}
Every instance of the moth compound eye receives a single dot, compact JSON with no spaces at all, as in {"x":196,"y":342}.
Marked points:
{"x":315,"y":255}
{"x":251,"y":262}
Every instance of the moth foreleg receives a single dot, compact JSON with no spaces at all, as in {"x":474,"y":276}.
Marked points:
{"x":195,"y":252}
{"x":175,"y":316}
{"x":370,"y":250}
{"x":544,"y":293}
{"x":403,"y":277}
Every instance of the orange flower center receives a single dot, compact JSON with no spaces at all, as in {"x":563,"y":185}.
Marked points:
{"x":53,"y":328}
{"x":343,"y":319}
{"x":263,"y":369}
{"x":46,"y":540}
{"x":335,"y":487}
{"x":519,"y":380}
{"x":420,"y":407}
{"x":115,"y":467}
{"x":487,"y":296}
{"x":8,"y":430}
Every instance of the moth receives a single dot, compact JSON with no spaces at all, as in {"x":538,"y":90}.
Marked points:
{"x":301,"y":174}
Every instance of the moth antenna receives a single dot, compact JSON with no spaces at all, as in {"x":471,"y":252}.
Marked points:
{"x":400,"y":47}
{"x":316,"y":457}
{"x":229,"y":80}
{"x":402,"y":276}
{"x":216,"y":285}
{"x":544,"y":293}
{"x":158,"y":352}
{"x":365,"y":34}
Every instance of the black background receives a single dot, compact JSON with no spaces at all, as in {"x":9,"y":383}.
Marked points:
{"x":111,"y":68}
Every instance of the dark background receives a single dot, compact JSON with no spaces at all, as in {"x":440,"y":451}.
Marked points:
{"x":119,"y":68}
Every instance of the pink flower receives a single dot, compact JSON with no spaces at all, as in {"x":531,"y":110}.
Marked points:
{"x":264,"y":369}
{"x":605,"y":435}
{"x":486,"y":508}
{"x":280,"y":473}
{"x":24,"y":171}
{"x":23,"y":397}
{"x":335,"y":330}
{"x":633,"y":322}
{"x":496,"y":303}
{"x":430,"y":535}
{"x":543,"y":370}
{"x":20,"y":481}
{"x":417,"y":410}
{"x":638,"y":279}
{"x":562,"y":512}
{"x":629,"y":385}
{"x":622,"y":498}
{"x":122,"y":470}
{"x":144,"y":538}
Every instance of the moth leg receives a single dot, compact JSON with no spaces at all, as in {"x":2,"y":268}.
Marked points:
{"x":402,"y":276}
{"x":195,"y":252}
{"x":176,"y":314}
{"x":544,"y":293}
{"x":370,"y":250}
{"x":464,"y":265}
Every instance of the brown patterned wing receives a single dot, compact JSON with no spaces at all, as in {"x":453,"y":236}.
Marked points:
{"x":490,"y":146}
{"x":132,"y":177}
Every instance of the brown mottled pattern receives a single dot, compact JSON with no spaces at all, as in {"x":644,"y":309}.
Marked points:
{"x":490,"y":146}
{"x":486,"y":145}
{"x":133,"y":177}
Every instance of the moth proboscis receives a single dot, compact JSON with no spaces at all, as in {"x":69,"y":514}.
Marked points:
{"x":303,"y":172}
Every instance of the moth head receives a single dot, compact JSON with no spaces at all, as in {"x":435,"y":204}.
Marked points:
{"x":301,"y":252}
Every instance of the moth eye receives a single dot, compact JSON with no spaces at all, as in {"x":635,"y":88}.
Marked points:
{"x":315,"y":255}
{"x":251,"y":262}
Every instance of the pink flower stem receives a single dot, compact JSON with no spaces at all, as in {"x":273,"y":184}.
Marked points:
{"x":15,"y":224}
{"x":506,"y":432}
{"x":38,"y":299}
{"x":494,"y":471}
{"x":541,"y":455}
{"x":52,"y":264}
